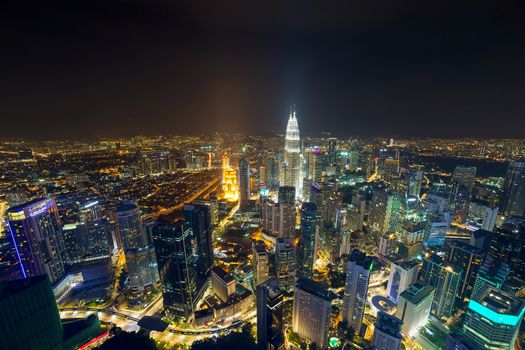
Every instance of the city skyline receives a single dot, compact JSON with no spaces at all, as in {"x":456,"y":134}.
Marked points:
{"x":248,"y":176}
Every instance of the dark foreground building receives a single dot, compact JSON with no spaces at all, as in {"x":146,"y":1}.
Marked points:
{"x":30,"y":318}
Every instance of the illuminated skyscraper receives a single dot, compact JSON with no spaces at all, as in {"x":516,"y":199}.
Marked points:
{"x":332,"y":151}
{"x":414,"y":183}
{"x":35,"y":229}
{"x":244,"y":184}
{"x":513,"y":201}
{"x":492,"y":272}
{"x":130,"y":226}
{"x":261,"y":271}
{"x":291,"y":171}
{"x":469,"y":259}
{"x":229,"y":180}
{"x":140,"y":257}
{"x":358,"y":271}
{"x":402,"y":274}
{"x":75,"y":242}
{"x":462,"y":185}
{"x":493,"y":319}
{"x":447,"y":290}
{"x":413,"y":307}
{"x":312,"y":306}
{"x":285,"y":263}
{"x":306,"y":247}
{"x":98,"y":230}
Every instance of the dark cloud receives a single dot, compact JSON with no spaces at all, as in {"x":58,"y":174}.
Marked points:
{"x":403,"y":68}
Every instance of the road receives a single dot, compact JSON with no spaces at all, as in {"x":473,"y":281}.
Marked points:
{"x":204,"y":191}
{"x":118,"y":317}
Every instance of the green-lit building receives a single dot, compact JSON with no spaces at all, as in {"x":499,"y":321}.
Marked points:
{"x":493,"y":319}
{"x":30,"y":318}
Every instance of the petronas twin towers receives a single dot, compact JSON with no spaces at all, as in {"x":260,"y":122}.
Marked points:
{"x":291,"y":169}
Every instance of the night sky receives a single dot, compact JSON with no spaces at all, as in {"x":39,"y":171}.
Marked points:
{"x":77,"y":69}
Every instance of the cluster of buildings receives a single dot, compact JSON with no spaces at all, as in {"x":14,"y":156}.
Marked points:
{"x":354,"y":244}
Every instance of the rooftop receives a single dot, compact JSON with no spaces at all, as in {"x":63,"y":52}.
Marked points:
{"x":361,"y":259}
{"x":22,"y":206}
{"x":10,"y":288}
{"x":492,"y":301}
{"x":416,"y":292}
{"x":223,"y":275}
{"x":320,"y":290}
{"x":389,"y":324}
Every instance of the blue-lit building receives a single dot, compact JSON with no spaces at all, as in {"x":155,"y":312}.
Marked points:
{"x":493,"y":319}
{"x":36,"y":233}
{"x":306,"y":246}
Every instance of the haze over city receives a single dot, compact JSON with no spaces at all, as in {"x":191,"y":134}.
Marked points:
{"x":125,"y":68}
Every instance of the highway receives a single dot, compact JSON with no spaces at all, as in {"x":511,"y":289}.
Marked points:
{"x":204,"y":191}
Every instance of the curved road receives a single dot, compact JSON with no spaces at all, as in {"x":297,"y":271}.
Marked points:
{"x":170,"y":328}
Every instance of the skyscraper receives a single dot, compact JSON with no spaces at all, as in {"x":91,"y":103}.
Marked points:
{"x":177,"y":267}
{"x":311,"y":311}
{"x":413,"y":307}
{"x":387,"y":332}
{"x":198,"y":217}
{"x":306,"y":246}
{"x":358,"y":271}
{"x":140,"y":257}
{"x":35,"y":230}
{"x":285,"y":263}
{"x":492,"y":272}
{"x":130,"y":226}
{"x":99,"y":238}
{"x":332,"y":151}
{"x":222,"y":283}
{"x":75,"y":242}
{"x":402,"y":274}
{"x":244,"y":184}
{"x":513,"y":200}
{"x":291,"y":171}
{"x":384,"y":212}
{"x":30,"y":318}
{"x":414,"y":183}
{"x":98,"y":230}
{"x":229,"y":186}
{"x":469,"y":259}
{"x":447,"y":290}
{"x":278,"y":219}
{"x":269,"y":315}
{"x":261,"y":270}
{"x":462,"y":185}
{"x":493,"y":319}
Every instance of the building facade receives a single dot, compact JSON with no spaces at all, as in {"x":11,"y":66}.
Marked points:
{"x":35,"y":230}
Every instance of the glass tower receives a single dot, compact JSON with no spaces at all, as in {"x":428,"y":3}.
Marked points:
{"x":35,"y":229}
